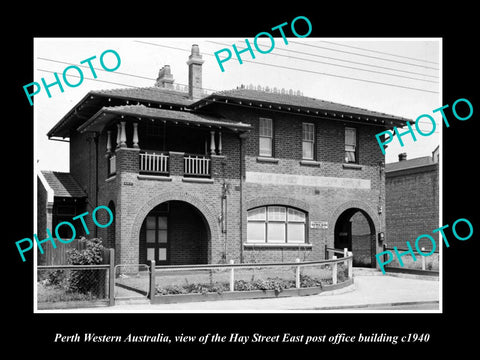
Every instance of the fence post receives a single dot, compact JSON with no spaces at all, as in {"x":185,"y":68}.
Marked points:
{"x":326,"y":252}
{"x":334,"y":270}
{"x":345,"y":254}
{"x":232,"y":276}
{"x":111,"y":278}
{"x":423,"y":259}
{"x":350,"y":265}
{"x":297,"y":274}
{"x":151,"y":292}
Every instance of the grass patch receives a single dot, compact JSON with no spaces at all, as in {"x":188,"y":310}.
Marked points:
{"x":50,"y":293}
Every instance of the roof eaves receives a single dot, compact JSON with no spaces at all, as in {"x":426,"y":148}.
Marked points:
{"x":387,"y":120}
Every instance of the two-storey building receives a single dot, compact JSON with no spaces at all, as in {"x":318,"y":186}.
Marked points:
{"x":244,"y":174}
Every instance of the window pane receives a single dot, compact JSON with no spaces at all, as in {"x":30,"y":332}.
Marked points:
{"x":257,"y":214}
{"x":295,"y":215}
{"x":256,"y":232}
{"x":350,"y":156}
{"x":150,"y":236}
{"x":265,"y":127}
{"x":162,"y":222}
{"x":296,"y":233}
{"x":276,"y":232}
{"x":276,"y":213}
{"x":162,"y":254}
{"x":308,"y":132}
{"x":151,"y":222}
{"x":265,"y":146}
{"x":307,"y":150}
{"x":162,"y":236}
{"x":350,"y":136}
{"x":150,"y":254}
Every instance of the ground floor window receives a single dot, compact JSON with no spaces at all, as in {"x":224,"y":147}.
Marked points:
{"x":276,"y":225}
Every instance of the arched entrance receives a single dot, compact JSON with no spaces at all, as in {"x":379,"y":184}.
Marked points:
{"x":355,"y":230}
{"x":174,"y":233}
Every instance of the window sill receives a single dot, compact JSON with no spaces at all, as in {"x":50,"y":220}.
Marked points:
{"x":111,"y":178}
{"x":266,"y":245}
{"x":264,"y":159}
{"x":154,"y":177}
{"x":352,"y":166}
{"x":310,"y":163}
{"x":197,"y":180}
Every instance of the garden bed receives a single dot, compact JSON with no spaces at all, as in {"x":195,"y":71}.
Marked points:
{"x":269,"y":288}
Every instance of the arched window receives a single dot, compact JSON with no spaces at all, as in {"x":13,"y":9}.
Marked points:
{"x":276,"y":225}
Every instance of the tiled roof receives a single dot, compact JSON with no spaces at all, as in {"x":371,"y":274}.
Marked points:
{"x":153,"y":93}
{"x":409,"y":164}
{"x":63,"y":184}
{"x":97,"y":122}
{"x":297,"y":101}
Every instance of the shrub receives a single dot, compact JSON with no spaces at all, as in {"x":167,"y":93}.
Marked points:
{"x":55,"y":277}
{"x":85,"y":281}
{"x":308,"y":281}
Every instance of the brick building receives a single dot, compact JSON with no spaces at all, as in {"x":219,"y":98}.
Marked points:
{"x":243,"y":174}
{"x":412,"y":201}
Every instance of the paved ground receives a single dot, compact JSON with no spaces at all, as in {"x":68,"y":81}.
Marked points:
{"x":368,"y":293}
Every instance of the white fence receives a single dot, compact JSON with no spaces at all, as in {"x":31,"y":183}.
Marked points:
{"x":196,"y":165}
{"x":154,"y":163}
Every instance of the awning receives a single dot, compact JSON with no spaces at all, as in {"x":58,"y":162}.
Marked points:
{"x":103,"y":117}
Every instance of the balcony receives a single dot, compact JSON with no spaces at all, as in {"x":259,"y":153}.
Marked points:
{"x":175,"y":163}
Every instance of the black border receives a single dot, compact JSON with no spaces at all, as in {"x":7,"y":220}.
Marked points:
{"x":455,"y":25}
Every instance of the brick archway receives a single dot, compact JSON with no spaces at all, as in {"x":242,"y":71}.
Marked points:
{"x":213,"y":228}
{"x":346,"y":211}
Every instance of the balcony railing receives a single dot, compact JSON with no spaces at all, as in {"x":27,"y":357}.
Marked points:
{"x":154,"y":163}
{"x":196,"y":166}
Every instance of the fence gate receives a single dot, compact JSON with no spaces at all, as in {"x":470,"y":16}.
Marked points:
{"x":132,"y":281}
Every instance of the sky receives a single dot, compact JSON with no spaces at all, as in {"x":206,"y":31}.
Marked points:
{"x":391,"y":75}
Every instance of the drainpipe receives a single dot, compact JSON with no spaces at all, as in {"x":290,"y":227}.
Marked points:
{"x":95,"y":139}
{"x":242,"y":159}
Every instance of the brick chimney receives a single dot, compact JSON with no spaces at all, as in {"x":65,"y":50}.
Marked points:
{"x":402,"y":156}
{"x":165,"y":78}
{"x":195,"y":73}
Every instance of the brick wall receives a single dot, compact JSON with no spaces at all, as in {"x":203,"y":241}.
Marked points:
{"x":321,"y":203}
{"x":135,"y":196}
{"x":412,"y":206}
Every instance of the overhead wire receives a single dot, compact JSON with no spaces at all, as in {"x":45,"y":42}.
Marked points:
{"x":310,"y":71}
{"x":347,"y":61}
{"x":378,"y":52}
{"x":344,"y":66}
{"x":368,"y":56}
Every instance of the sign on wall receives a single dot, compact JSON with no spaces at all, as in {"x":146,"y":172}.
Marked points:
{"x":319,"y":224}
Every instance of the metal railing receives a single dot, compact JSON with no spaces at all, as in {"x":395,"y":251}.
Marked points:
{"x":183,"y":279}
{"x":196,"y":165}
{"x":154,"y":163}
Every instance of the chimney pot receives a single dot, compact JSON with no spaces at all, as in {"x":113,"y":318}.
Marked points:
{"x":165,"y":78}
{"x":402,"y":156}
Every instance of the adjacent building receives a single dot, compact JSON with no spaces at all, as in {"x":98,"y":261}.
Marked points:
{"x":253,"y":175}
{"x":412,"y":201}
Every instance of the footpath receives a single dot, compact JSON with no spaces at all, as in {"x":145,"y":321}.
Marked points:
{"x":370,"y":289}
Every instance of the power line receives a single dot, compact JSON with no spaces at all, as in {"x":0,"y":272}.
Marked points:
{"x":368,"y":56}
{"x":343,"y":66}
{"x":314,"y":72}
{"x":85,"y":66}
{"x":349,"y":61}
{"x":116,"y":72}
{"x":105,"y":81}
{"x":132,"y":86}
{"x":379,"y":52}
